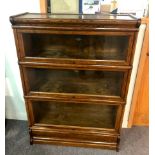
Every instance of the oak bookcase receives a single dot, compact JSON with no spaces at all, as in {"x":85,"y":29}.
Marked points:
{"x":75,"y":72}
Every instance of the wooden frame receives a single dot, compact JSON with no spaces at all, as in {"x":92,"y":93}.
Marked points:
{"x":144,"y":54}
{"x":43,"y":6}
{"x":62,"y":134}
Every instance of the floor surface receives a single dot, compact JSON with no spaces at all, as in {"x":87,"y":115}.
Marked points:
{"x":134,"y":141}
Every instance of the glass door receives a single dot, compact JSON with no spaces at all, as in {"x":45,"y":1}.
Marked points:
{"x":88,"y":82}
{"x":102,"y":48}
{"x":74,"y":114}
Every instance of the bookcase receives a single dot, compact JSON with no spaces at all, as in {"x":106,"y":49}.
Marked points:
{"x":75,"y":72}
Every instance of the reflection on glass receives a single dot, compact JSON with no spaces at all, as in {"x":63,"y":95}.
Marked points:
{"x":59,"y":15}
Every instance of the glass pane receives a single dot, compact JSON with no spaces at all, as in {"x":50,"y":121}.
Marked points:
{"x":75,"y":81}
{"x":75,"y":114}
{"x":76,"y":46}
{"x":76,"y":16}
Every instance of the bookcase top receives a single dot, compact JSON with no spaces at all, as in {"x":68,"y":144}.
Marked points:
{"x":115,"y":19}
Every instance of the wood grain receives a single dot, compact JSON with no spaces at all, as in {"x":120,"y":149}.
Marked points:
{"x":139,"y":113}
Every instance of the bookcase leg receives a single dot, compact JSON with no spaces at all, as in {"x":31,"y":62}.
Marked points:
{"x":31,"y":139}
{"x":117,"y":148}
{"x":118,"y":144}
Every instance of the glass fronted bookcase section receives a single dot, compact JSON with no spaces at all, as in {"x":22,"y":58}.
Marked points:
{"x":74,"y":114}
{"x":69,"y":81}
{"x":75,"y":71}
{"x":102,"y":48}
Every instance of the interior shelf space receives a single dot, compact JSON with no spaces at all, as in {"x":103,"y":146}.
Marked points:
{"x":75,"y":81}
{"x":95,"y":47}
{"x":74,"y":114}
